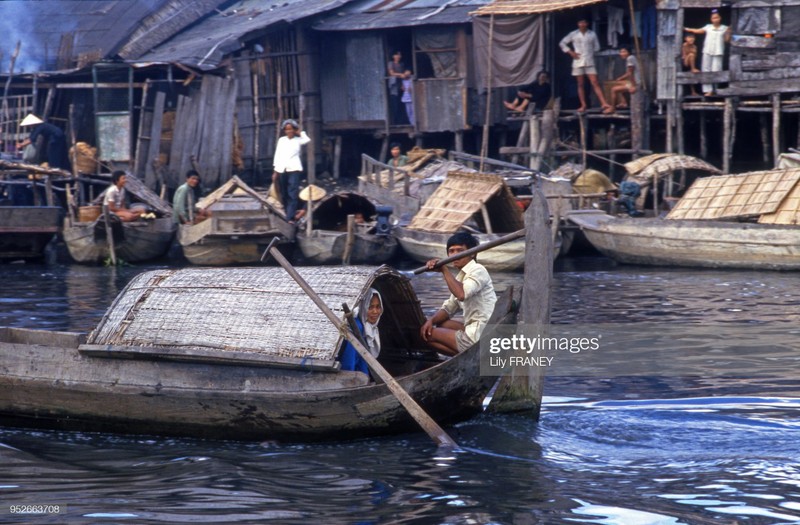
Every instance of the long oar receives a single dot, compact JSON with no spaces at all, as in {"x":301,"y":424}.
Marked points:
{"x":425,"y":421}
{"x":472,"y":251}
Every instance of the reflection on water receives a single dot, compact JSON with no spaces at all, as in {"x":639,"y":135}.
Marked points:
{"x":616,"y":448}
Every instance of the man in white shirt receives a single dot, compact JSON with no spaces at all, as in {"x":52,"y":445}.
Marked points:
{"x":287,"y":166}
{"x":713,"y":46}
{"x":115,"y":199}
{"x":470,"y":291}
{"x":584,"y":44}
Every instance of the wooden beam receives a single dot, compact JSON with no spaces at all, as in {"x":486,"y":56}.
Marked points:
{"x":776,"y":127}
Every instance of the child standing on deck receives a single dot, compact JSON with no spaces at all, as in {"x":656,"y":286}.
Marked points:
{"x":407,"y":98}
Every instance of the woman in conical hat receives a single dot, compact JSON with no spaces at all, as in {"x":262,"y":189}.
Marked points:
{"x":54,"y":140}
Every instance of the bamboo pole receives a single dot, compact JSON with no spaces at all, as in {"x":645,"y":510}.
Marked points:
{"x":425,"y":421}
{"x":109,"y":235}
{"x":472,"y":251}
{"x":351,"y":239}
{"x":485,"y":137}
{"x":776,"y":127}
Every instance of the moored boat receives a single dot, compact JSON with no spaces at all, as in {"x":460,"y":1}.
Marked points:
{"x":242,"y":224}
{"x":479,"y":203}
{"x":702,"y":243}
{"x":367,"y":239}
{"x":25,"y":231}
{"x":236,"y":353}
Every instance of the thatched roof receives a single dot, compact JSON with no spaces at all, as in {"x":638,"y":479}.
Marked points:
{"x":745,"y":195}
{"x":261,"y":311}
{"x":644,"y":169}
{"x":530,"y":7}
{"x":461,"y":197}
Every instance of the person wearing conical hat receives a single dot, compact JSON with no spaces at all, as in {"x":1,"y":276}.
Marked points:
{"x":55,"y":140}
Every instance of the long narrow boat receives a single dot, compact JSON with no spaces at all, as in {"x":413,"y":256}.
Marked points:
{"x":236,"y":353}
{"x":25,"y":231}
{"x":330,"y":242}
{"x":703,"y":243}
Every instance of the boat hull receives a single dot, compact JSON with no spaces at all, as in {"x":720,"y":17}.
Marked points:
{"x":328,"y":247}
{"x":424,"y":246}
{"x":143,"y":241}
{"x":711,"y":244}
{"x":25,"y":231}
{"x":47,"y":382}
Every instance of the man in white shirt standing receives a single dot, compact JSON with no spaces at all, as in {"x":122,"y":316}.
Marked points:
{"x":470,"y":291}
{"x":713,"y":46}
{"x":584,"y":46}
{"x":287,"y":166}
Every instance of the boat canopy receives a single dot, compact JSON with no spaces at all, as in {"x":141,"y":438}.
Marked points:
{"x":258,"y":312}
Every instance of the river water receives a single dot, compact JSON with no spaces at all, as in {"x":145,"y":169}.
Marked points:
{"x":613,"y":445}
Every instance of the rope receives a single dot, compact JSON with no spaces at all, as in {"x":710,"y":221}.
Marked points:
{"x":585,"y":152}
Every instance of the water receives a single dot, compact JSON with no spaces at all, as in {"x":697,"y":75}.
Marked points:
{"x":610,"y":448}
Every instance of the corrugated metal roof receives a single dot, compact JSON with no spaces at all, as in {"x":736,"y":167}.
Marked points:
{"x":531,"y":7}
{"x":385,"y":14}
{"x":204,"y":44}
{"x":99,"y":28}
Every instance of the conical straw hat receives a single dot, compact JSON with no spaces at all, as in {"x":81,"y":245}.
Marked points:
{"x":31,"y":120}
{"x":313,"y":193}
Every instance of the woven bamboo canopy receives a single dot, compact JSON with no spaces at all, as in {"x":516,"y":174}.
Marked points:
{"x":770,"y":194}
{"x":464,"y":196}
{"x":235,"y":186}
{"x":261,"y":311}
{"x":643,"y":170}
{"x":530,"y":7}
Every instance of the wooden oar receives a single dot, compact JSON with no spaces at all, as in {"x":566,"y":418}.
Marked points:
{"x":472,"y":251}
{"x":425,"y":421}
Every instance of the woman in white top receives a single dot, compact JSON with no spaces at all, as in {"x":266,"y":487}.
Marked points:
{"x":713,"y":46}
{"x":288,"y":167}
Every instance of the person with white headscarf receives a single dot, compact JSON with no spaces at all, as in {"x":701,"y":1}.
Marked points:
{"x":368,"y":315}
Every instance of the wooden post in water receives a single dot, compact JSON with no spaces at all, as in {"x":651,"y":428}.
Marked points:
{"x":776,"y":128}
{"x":521,"y":389}
{"x":727,"y":135}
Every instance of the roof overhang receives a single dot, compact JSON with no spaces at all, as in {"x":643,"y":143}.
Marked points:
{"x":530,"y":7}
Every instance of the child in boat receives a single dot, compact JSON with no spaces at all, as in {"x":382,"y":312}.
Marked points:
{"x":369,"y":314}
{"x":470,"y":291}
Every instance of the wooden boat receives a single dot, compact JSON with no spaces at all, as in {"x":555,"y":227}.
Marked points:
{"x":369,"y":242}
{"x":242,"y":224}
{"x":236,"y":353}
{"x":479,"y":203}
{"x":704,"y":243}
{"x":25,"y":231}
{"x":137,"y":241}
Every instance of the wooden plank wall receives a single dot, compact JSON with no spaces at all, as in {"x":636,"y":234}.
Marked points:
{"x":204,"y":130}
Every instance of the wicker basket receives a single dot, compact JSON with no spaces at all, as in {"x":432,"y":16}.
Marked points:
{"x":89,"y":213}
{"x":85,"y":157}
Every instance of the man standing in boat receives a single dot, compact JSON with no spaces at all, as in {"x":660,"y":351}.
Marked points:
{"x":471,"y":291}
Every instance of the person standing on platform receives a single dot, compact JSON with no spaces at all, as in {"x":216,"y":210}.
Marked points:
{"x":55,"y":141}
{"x":287,"y":166}
{"x":585,"y":45}
{"x":716,"y":36}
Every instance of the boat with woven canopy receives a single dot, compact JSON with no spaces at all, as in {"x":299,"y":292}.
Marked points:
{"x":366,"y":239}
{"x":746,"y":221}
{"x":236,"y":353}
{"x":479,"y":203}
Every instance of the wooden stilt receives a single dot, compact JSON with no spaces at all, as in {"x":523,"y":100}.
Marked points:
{"x":703,"y":136}
{"x":337,"y":156}
{"x":535,"y":136}
{"x":638,"y":116}
{"x":670,"y":126}
{"x":727,"y":135}
{"x":776,"y":128}
{"x":763,"y":128}
{"x":679,"y":129}
{"x":460,"y":141}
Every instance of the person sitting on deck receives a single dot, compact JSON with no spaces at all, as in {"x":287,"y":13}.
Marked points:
{"x":183,"y":202}
{"x":629,"y":82}
{"x":470,"y":291}
{"x":538,"y":94}
{"x":115,"y":199}
{"x":369,"y":313}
